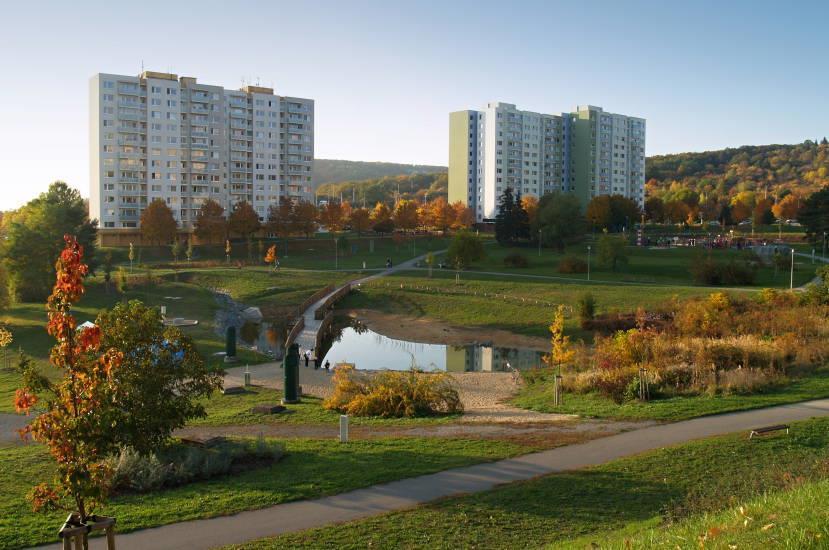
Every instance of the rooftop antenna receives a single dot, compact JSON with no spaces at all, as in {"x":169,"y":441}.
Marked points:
{"x":142,"y":66}
{"x":257,"y":81}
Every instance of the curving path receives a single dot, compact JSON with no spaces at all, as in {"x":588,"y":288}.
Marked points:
{"x":307,"y":339}
{"x":399,"y":495}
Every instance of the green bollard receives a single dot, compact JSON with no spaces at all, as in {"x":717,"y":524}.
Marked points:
{"x":291,"y":375}
{"x":230,"y":345}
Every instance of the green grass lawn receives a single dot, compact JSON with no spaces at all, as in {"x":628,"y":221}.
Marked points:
{"x":796,"y":518}
{"x":311,"y":468}
{"x":318,"y":252}
{"x":226,"y":410}
{"x":664,"y":485}
{"x":470,"y":303}
{"x":668,"y":266}
{"x":538,"y":397}
{"x":286,"y":289}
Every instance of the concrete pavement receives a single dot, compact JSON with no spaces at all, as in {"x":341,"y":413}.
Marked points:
{"x":399,"y":495}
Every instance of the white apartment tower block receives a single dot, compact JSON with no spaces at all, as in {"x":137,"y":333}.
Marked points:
{"x":158,"y":136}
{"x":587,"y":152}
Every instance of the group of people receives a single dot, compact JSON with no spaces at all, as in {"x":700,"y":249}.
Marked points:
{"x":309,"y":356}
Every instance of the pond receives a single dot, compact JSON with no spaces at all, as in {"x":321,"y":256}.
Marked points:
{"x":368,"y":350}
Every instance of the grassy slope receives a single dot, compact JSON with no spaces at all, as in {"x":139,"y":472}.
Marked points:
{"x":673,"y":482}
{"x":538,"y":397}
{"x":796,"y":518}
{"x":445,"y":301}
{"x":312,"y":468}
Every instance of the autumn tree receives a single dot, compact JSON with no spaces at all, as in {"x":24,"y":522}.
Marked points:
{"x":331,"y":216}
{"x":244,"y":220}
{"x":762,"y":214}
{"x":360,"y":220}
{"x":462,"y":216}
{"x":598,"y":212}
{"x":441,"y":215}
{"x":280,"y":217}
{"x":530,"y":205}
{"x":210,"y":225}
{"x":405,"y":215}
{"x":787,"y":207}
{"x":270,"y":257}
{"x":158,"y":225}
{"x":80,"y":413}
{"x":381,"y":220}
{"x":33,"y":237}
{"x":304,"y":218}
{"x":561,"y":351}
{"x":655,"y":209}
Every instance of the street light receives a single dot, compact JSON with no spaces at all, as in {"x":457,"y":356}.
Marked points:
{"x":791,"y":275}
{"x":588,"y":262}
{"x":539,"y":243}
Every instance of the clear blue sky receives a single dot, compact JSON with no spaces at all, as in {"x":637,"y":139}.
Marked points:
{"x":385,"y":74}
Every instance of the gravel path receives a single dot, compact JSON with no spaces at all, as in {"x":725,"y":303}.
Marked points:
{"x":483,"y":394}
{"x":9,"y":424}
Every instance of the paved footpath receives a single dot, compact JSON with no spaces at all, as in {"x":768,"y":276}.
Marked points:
{"x":399,"y":495}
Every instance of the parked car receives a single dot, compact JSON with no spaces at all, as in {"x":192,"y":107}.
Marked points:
{"x":793,"y":223}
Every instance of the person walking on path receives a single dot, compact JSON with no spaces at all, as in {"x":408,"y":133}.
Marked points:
{"x":307,"y":356}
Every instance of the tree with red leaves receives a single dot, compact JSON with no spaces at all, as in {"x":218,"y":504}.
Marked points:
{"x":76,"y":423}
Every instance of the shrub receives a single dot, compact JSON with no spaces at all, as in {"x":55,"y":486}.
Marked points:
{"x":733,"y":272}
{"x":393,"y":393}
{"x":179,"y":464}
{"x":572,"y":264}
{"x":587,"y":308}
{"x":516,"y":260}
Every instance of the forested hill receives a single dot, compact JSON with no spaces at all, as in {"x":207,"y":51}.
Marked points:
{"x":328,"y":170}
{"x":766,"y":169}
{"x":413,"y":186}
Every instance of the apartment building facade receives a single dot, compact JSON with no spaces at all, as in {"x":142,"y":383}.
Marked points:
{"x":587,"y":152}
{"x":160,"y":136}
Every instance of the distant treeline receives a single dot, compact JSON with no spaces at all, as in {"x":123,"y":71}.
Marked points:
{"x":371,"y":191}
{"x":331,"y":170}
{"x":765,"y":170}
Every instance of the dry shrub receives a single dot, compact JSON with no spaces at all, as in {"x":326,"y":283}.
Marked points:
{"x":747,"y":381}
{"x":572,"y":264}
{"x":393,"y":393}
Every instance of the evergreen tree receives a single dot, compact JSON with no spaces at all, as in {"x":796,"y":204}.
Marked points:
{"x":505,"y":218}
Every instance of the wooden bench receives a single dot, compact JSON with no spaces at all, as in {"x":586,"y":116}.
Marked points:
{"x":768,"y":429}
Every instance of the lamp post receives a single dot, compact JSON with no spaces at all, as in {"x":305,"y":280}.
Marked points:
{"x":824,"y":246}
{"x":539,"y":243}
{"x":588,"y":262}
{"x":791,"y":274}
{"x":336,"y":254}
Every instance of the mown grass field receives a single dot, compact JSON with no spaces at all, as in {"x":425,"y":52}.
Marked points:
{"x":539,"y":397}
{"x":648,"y":490}
{"x":663,"y":266}
{"x":318,"y":252}
{"x":311,"y":468}
{"x":471,"y":303}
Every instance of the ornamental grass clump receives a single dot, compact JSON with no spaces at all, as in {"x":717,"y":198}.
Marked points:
{"x":393,"y":393}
